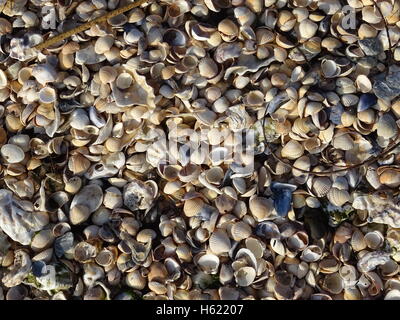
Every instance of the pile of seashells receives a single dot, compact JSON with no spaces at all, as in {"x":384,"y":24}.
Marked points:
{"x":123,"y":174}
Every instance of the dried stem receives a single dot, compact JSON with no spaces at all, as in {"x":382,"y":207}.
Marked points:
{"x":87,"y":25}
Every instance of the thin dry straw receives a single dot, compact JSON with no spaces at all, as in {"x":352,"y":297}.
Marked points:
{"x":87,"y":25}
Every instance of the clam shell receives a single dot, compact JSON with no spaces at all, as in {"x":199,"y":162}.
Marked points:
{"x":245,"y":276}
{"x":240,"y":231}
{"x":386,"y":126}
{"x":209,"y":263}
{"x":329,"y":68}
{"x":358,"y":242}
{"x":392,"y":295}
{"x":260,"y":207}
{"x":12,"y":153}
{"x":311,"y":254}
{"x":307,"y":29}
{"x":135,"y":280}
{"x":47,"y":95}
{"x":338,"y":197}
{"x":277,"y":246}
{"x":292,"y":150}
{"x":193,"y":207}
{"x":90,"y":196}
{"x":343,"y":142}
{"x":333,"y":283}
{"x":321,"y":186}
{"x":219,"y":242}
{"x":374,"y":239}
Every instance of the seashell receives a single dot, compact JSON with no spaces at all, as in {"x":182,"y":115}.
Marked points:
{"x":299,"y":270}
{"x":307,"y":29}
{"x":367,"y":100}
{"x":44,"y":73}
{"x":261,"y":208}
{"x":139,"y":195}
{"x":311,"y":254}
{"x":78,"y":164}
{"x":112,"y":198}
{"x":389,"y":177}
{"x":18,"y":292}
{"x":219,"y":242}
{"x":330,"y":69}
{"x":103,"y":44}
{"x":386,"y":126}
{"x":292,"y":150}
{"x":84,"y":252}
{"x":135,"y":280}
{"x":42,"y":240}
{"x":240,"y":231}
{"x":268,"y":230}
{"x":374,"y":239}
{"x":209,"y":263}
{"x":17,"y":219}
{"x":86,"y":201}
{"x":389,"y":269}
{"x":321,"y":186}
{"x":333,"y":283}
{"x":338,"y":197}
{"x":208,"y":68}
{"x":371,"y":260}
{"x":124,"y":80}
{"x":104,"y":258}
{"x":392,"y":295}
{"x":47,"y":95}
{"x":277,"y":246}
{"x":245,"y":276}
{"x":358,"y":242}
{"x":282,"y":197}
{"x":227,"y":293}
{"x":364,"y":85}
{"x":107,"y":74}
{"x":304,"y":164}
{"x":193,"y":207}
{"x":298,"y":241}
{"x":12,"y":153}
{"x":146,"y":235}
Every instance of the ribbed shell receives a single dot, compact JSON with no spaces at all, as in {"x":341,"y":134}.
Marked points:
{"x":219,"y":242}
{"x":240,"y":230}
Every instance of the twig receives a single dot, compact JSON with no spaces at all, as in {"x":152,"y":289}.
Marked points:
{"x":386,"y":28}
{"x":87,"y":25}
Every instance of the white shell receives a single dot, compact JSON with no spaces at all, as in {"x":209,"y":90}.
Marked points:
{"x":245,"y":276}
{"x":219,"y":242}
{"x":12,"y":153}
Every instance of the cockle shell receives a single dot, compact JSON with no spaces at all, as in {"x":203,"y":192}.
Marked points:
{"x":260,"y":207}
{"x":292,"y":150}
{"x":219,"y":242}
{"x":240,"y":231}
{"x":338,"y":197}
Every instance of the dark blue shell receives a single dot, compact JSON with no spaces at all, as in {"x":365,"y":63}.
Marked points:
{"x":367,"y":100}
{"x":282,"y":195}
{"x":63,"y":243}
{"x":39,"y":268}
